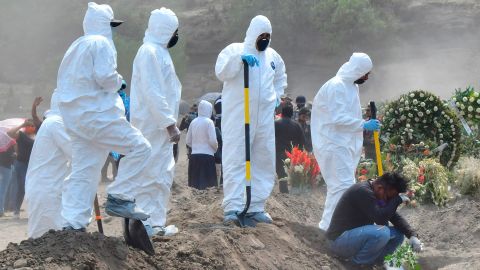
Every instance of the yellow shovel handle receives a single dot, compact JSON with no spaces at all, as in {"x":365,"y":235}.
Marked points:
{"x":378,"y":153}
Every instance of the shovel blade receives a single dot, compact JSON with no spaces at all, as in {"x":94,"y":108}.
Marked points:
{"x":136,"y":236}
{"x":244,"y":221}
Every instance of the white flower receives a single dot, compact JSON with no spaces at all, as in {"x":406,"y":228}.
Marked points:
{"x":298,"y":169}
{"x":428,"y":111}
{"x":409,"y":120}
{"x":478,"y":101}
{"x":407,"y":125}
{"x":452,"y":126}
{"x":465,"y":99}
{"x":475,"y":94}
{"x":412,"y":95}
{"x":391,"y":110}
{"x":462,"y":113}
{"x":411,"y":130}
{"x":400,"y":109}
{"x":457,"y":104}
{"x":470,"y":116}
{"x":402,"y":100}
{"x":471,"y":99}
{"x":424,"y":121}
{"x":435,"y":108}
{"x":407,"y":108}
{"x":402,"y":141}
{"x":403,"y":117}
{"x":441,"y":135}
{"x":443,"y":112}
{"x":420,"y":114}
{"x":406,"y":102}
{"x":478,"y":110}
{"x":422,"y":95}
{"x":441,"y":141}
{"x":422,"y":144}
{"x":470,"y":108}
{"x":422,"y":104}
{"x":454,"y":99}
{"x":415,"y":102}
{"x":451,"y":121}
{"x":431,"y":98}
{"x":417,"y":119}
{"x":410,"y":115}
{"x":391,"y":125}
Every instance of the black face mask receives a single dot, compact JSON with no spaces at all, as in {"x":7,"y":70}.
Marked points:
{"x":359,"y":81}
{"x":172,"y":41}
{"x":262,"y":44}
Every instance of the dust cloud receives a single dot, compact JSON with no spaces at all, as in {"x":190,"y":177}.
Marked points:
{"x":436,"y":48}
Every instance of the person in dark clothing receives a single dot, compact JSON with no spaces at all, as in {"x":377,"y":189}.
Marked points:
{"x":360,"y":231}
{"x":25,"y":140}
{"x":217,"y":106}
{"x":368,"y":143}
{"x":304,"y":121}
{"x":300,"y":101}
{"x":288,"y":133}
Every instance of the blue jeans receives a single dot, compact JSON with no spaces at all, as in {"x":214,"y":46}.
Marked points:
{"x":19,"y":184}
{"x":5,"y":179}
{"x":367,"y":244}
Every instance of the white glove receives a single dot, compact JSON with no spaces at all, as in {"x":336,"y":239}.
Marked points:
{"x":417,"y":246}
{"x":405,"y":198}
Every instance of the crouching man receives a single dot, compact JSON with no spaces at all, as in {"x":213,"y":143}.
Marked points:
{"x":360,"y":230}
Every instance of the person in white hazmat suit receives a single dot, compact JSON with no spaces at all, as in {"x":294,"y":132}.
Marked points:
{"x":154,"y":99}
{"x":337,"y":129}
{"x":94,"y":117}
{"x":48,"y":168}
{"x":268,"y":80}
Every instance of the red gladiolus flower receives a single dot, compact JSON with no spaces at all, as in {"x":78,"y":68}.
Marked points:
{"x":421,"y":179}
{"x":363,"y":171}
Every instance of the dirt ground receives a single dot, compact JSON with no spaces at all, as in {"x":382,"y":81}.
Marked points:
{"x":293,"y":241}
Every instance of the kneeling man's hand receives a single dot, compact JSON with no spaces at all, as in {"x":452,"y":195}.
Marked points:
{"x":416,"y":244}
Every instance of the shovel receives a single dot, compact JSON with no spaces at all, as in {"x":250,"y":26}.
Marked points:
{"x":98,"y":216}
{"x":136,"y":236}
{"x":376,"y":139}
{"x":243,"y":220}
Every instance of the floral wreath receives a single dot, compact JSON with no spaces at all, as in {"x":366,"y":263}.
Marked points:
{"x":420,"y":117}
{"x":468,"y":104}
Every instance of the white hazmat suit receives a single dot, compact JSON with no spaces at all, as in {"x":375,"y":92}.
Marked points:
{"x":154,"y":102}
{"x":94,"y":117}
{"x":49,"y":166}
{"x":337,"y":130}
{"x":267,"y":84}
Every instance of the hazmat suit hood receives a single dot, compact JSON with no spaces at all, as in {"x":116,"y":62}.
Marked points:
{"x":259,"y":25}
{"x":161,"y":26}
{"x":358,"y":65}
{"x":97,"y":20}
{"x":205,"y":109}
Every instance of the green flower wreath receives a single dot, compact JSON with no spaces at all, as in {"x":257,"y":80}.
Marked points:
{"x":420,"y":117}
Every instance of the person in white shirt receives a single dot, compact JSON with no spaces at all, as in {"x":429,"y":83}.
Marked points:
{"x":202,"y":138}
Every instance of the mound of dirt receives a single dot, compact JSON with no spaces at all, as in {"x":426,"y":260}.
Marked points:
{"x":71,"y":250}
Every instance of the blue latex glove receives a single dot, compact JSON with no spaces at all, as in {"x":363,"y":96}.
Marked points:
{"x":371,"y":125}
{"x":251,"y":59}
